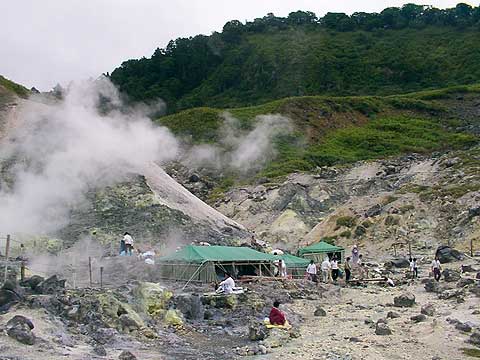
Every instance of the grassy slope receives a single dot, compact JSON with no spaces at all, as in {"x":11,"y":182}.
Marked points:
{"x":338,"y":130}
{"x":12,"y":87}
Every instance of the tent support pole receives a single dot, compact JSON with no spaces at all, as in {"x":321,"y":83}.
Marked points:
{"x":193,"y":275}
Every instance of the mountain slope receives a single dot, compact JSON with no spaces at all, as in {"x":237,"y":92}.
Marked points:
{"x":398,"y":50}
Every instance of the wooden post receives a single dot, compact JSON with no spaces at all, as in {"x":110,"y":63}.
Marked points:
{"x":22,"y":271}
{"x":7,"y":253}
{"x":90,"y":269}
{"x":101,"y":277}
{"x":471,"y":247}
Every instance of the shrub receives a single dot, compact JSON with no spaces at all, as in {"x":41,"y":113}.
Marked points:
{"x":347,"y":221}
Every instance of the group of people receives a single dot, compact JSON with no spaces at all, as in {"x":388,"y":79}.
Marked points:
{"x":330,"y":268}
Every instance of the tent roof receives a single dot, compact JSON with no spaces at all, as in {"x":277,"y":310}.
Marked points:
{"x":320,"y":247}
{"x":293,"y":261}
{"x":200,"y":254}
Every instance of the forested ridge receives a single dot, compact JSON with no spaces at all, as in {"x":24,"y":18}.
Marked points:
{"x":397,"y":50}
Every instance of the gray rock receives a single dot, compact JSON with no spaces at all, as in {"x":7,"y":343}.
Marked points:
{"x":397,"y":263}
{"x":8,"y":297}
{"x":404,"y":300}
{"x":319,"y":312}
{"x":127,"y":355}
{"x":190,"y":306}
{"x":100,"y":350}
{"x":257,"y":331}
{"x":468,"y":269}
{"x":450,"y":275}
{"x":382,"y":329}
{"x":32,"y":282}
{"x":128,"y":323}
{"x":475,"y":338}
{"x":465,"y":282}
{"x":418,"y":318}
{"x":432,"y":286}
{"x":453,"y":293}
{"x":104,"y":335}
{"x":447,"y":254}
{"x":428,"y":309}
{"x":262,"y":349}
{"x":463,"y":327}
{"x":374,"y":211}
{"x":20,"y":329}
{"x":392,"y":315}
{"x":20,"y":320}
{"x":52,"y":285}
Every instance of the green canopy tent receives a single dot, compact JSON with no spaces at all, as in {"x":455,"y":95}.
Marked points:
{"x":320,"y":250}
{"x":296,"y":266}
{"x":209,"y":263}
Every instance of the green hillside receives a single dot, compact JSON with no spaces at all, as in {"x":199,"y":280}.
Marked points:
{"x":340,"y":130}
{"x":396,"y":51}
{"x":11,"y":87}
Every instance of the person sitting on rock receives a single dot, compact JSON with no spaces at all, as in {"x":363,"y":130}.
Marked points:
{"x":276,"y":317}
{"x":227,"y":285}
{"x":436,"y":269}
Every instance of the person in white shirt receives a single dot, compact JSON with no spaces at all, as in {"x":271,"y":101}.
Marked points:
{"x":436,"y":269}
{"x":312,"y":271}
{"x":334,"y":267}
{"x":128,"y":243}
{"x":283,"y":268}
{"x":413,"y":268}
{"x":325,"y":266}
{"x":227,"y":285}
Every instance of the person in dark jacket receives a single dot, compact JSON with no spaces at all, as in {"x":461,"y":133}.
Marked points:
{"x":276,"y":317}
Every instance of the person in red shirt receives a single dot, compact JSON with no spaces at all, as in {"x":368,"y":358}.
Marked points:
{"x":276,"y":317}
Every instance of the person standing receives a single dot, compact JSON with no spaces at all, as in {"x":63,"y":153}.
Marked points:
{"x":348,"y":269}
{"x":355,"y":255}
{"x":283,"y":268}
{"x":326,"y":267}
{"x":334,"y":267}
{"x":312,"y":271}
{"x":436,"y":269}
{"x":128,"y":243}
{"x":413,"y":268}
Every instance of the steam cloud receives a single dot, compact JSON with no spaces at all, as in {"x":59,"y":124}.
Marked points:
{"x":68,"y":147}
{"x":239,"y":150}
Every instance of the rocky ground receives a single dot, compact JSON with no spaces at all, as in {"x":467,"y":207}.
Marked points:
{"x":418,"y":319}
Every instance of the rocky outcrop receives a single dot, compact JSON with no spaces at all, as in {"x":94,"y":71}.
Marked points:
{"x":20,"y":328}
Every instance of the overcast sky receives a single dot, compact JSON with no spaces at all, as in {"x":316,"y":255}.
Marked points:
{"x":45,"y":42}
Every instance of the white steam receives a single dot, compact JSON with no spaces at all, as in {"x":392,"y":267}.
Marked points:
{"x":68,"y":148}
{"x":240,"y":150}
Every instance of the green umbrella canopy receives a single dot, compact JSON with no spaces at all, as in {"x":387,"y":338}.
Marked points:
{"x":320,"y":247}
{"x":201,"y":254}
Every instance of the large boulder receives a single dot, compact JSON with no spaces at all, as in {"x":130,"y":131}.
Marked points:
{"x":404,"y":300}
{"x":428,"y":309}
{"x":151,"y":298}
{"x":382,"y":329}
{"x":319,"y":312}
{"x":431,"y":286}
{"x":257,"y":331}
{"x":8,"y":297}
{"x":32,"y":282}
{"x":450,"y":275}
{"x":190,"y":306}
{"x":126,"y":355}
{"x":276,"y":338}
{"x":397,"y":263}
{"x":52,"y":285}
{"x":20,"y":328}
{"x":475,"y":338}
{"x":447,"y":254}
